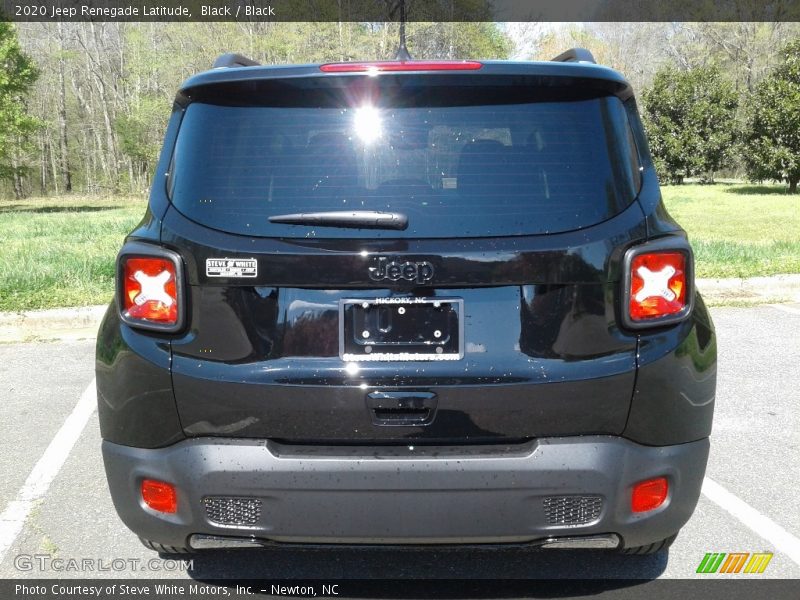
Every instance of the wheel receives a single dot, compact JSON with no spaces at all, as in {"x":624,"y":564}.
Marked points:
{"x":162,"y":549}
{"x":651,"y":548}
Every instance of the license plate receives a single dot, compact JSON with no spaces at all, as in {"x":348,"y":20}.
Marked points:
{"x":401,"y":329}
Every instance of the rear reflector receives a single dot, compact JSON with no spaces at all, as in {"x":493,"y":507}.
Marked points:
{"x":649,"y":495}
{"x":160,"y":496}
{"x":149,"y":288}
{"x":414,"y":65}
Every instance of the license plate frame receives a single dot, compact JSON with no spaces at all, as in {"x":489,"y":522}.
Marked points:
{"x":389,"y":340}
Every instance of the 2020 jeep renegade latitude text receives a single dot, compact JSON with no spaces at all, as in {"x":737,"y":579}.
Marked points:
{"x":406,"y":303}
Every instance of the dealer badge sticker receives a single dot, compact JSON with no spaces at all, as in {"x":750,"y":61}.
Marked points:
{"x":231,"y":267}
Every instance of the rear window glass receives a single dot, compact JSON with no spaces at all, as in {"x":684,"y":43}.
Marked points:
{"x":470,"y":170}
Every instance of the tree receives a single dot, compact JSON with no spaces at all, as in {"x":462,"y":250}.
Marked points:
{"x":63,"y":138}
{"x":17,"y":75}
{"x":771,"y":144}
{"x":690,"y":121}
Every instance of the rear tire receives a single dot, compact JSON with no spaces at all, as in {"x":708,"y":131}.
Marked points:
{"x":166,"y":550}
{"x":650,"y":548}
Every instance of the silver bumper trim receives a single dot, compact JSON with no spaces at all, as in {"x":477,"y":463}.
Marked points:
{"x":610,"y":540}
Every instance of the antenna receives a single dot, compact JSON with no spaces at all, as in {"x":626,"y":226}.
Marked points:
{"x":402,"y":50}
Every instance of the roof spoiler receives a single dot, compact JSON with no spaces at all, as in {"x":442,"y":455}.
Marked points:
{"x":575,"y":55}
{"x":231,"y":60}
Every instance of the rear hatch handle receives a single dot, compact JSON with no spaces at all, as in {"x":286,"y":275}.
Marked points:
{"x":361,"y":219}
{"x":406,"y":407}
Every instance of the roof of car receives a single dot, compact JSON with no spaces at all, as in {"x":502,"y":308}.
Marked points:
{"x":618,"y":85}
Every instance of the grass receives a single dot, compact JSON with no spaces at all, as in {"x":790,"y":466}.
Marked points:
{"x":738,"y":230}
{"x":60,"y":251}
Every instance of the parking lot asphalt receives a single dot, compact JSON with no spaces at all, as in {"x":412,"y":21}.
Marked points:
{"x":755,"y":460}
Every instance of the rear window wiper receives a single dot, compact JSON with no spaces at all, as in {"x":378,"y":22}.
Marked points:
{"x":361,"y":219}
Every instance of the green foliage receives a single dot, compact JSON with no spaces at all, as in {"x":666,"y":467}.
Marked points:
{"x":771,"y":139}
{"x":17,"y":75}
{"x":738,"y":230}
{"x":689,"y":116}
{"x":60,"y":252}
{"x":17,"y":72}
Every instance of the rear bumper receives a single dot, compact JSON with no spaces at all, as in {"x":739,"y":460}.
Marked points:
{"x":407,"y":495}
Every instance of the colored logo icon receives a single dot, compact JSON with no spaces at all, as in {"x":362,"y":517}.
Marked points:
{"x":734,"y":562}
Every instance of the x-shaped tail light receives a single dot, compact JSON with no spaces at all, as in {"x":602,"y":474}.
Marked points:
{"x":657,"y":283}
{"x":150,"y":291}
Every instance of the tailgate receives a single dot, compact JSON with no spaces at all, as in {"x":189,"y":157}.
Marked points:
{"x":542,"y":352}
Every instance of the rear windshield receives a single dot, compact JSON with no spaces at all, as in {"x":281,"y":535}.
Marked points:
{"x":499,"y":167}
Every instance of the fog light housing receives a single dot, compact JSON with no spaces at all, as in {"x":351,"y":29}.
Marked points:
{"x":649,"y":495}
{"x":160,"y":496}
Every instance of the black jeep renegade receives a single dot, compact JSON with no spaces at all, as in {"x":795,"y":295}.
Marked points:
{"x":406,"y":302}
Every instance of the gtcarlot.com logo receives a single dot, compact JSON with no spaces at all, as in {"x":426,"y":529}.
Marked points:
{"x":46,"y":562}
{"x":734,"y":562}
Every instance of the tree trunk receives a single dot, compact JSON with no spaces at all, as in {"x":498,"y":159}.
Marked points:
{"x":53,"y":167}
{"x":63,"y":148}
{"x":43,"y":163}
{"x":793,"y":185}
{"x":99,"y":155}
{"x":106,"y":110}
{"x":16,"y":179}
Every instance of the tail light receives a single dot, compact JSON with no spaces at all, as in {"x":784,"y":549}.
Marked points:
{"x":150,"y":288}
{"x":160,"y":496}
{"x":649,"y":494}
{"x":659,"y":283}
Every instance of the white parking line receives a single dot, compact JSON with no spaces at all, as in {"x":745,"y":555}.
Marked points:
{"x":765,"y":527}
{"x":785,"y":308}
{"x":35,"y":487}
